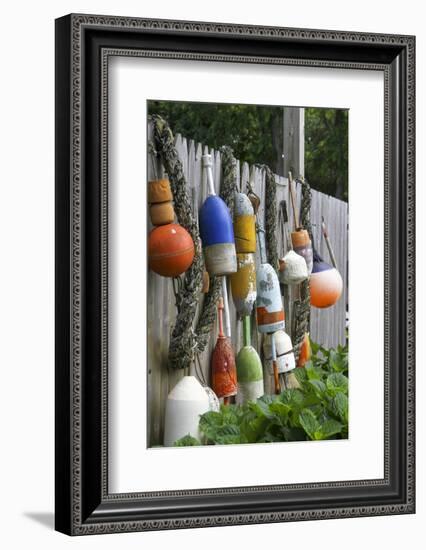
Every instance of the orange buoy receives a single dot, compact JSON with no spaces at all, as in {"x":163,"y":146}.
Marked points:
{"x":170,"y":250}
{"x":305,"y":351}
{"x":223,"y":367}
{"x":160,"y":199}
{"x":159,"y":191}
{"x":162,"y":213}
{"x":325,"y":284}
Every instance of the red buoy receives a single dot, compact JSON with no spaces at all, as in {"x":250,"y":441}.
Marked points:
{"x":223,"y":367}
{"x":170,"y":250}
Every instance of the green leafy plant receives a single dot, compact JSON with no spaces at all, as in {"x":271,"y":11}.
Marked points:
{"x":187,"y":441}
{"x":316,"y":411}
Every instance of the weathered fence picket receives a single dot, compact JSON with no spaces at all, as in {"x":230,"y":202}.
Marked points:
{"x":327,"y":326}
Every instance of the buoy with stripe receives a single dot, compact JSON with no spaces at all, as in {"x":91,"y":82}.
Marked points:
{"x":223,"y":367}
{"x":284,"y":352}
{"x":184,"y":405}
{"x":243,"y":281}
{"x":269,"y":307}
{"x":216,"y":230}
{"x":249,"y":369}
{"x":244,"y":224}
{"x":325,"y":283}
{"x":170,"y":250}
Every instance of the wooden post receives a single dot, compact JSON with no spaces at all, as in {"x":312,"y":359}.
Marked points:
{"x":294,"y":163}
{"x":294,"y":141}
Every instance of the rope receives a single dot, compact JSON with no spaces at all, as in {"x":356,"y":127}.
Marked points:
{"x":305,"y":207}
{"x":271,"y":217}
{"x":302,"y":308}
{"x":182,"y":338}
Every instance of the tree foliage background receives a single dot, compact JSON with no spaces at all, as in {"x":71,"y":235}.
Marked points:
{"x":255,"y":132}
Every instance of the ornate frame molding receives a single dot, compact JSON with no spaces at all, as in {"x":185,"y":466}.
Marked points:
{"x":75,"y":502}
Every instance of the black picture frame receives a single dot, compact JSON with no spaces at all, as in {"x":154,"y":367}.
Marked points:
{"x":83,"y":45}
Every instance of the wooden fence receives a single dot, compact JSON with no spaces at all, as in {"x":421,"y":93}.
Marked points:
{"x":327,"y":326}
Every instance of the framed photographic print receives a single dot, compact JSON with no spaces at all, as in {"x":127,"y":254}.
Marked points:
{"x":234,"y":274}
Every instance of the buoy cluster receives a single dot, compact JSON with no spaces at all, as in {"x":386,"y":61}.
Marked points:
{"x":170,"y":246}
{"x":229,"y":249}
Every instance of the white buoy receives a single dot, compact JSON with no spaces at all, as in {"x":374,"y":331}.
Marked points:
{"x":185,"y":403}
{"x":284,"y":352}
{"x":214,"y":403}
{"x":293,"y":269}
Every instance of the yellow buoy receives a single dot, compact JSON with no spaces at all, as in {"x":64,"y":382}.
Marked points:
{"x":244,"y":225}
{"x":243,"y":284}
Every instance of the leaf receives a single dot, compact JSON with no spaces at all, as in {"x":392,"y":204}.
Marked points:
{"x":319,"y":388}
{"x":315,"y":348}
{"x":186,"y":441}
{"x":300,"y":374}
{"x":253,"y":429}
{"x":209,"y":424}
{"x":280,"y":411}
{"x":337,"y":382}
{"x":314,"y":373}
{"x":309,"y":423}
{"x":228,"y":434}
{"x":329,"y":428}
{"x":263,"y":404}
{"x":229,"y":429}
{"x":340,"y":406}
{"x":292,"y":397}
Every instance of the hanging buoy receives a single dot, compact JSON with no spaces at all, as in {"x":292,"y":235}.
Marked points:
{"x":284,"y":352}
{"x":244,"y":224}
{"x":223,"y":368}
{"x":249,"y":369}
{"x":170,"y":250}
{"x":216,"y":231}
{"x":293,"y":269}
{"x":160,"y":200}
{"x":162,"y":213}
{"x":305,"y":351}
{"x":269,"y":307}
{"x":243,"y":284}
{"x":302,"y":245}
{"x":325,"y":284}
{"x":159,"y":191}
{"x":300,"y":240}
{"x":184,"y":405}
{"x":214,"y":403}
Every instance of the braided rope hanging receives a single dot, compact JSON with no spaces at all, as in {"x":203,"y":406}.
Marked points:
{"x":271,"y":217}
{"x":303,"y":306}
{"x":181,"y":341}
